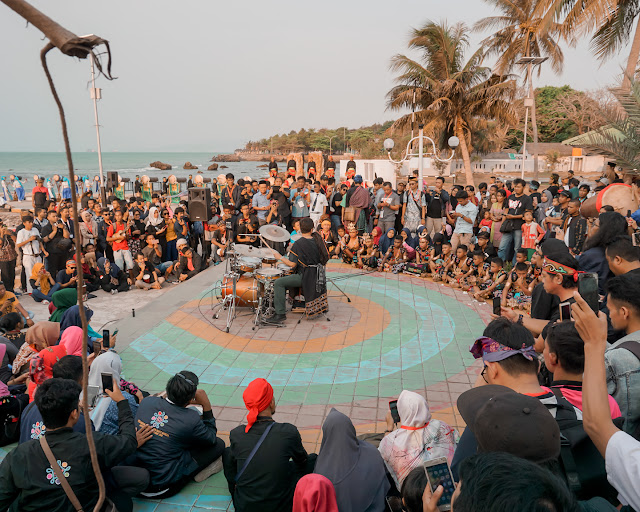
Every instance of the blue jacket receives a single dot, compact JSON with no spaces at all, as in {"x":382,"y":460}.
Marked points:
{"x":176,"y":431}
{"x":32,"y":426}
{"x":623,"y":380}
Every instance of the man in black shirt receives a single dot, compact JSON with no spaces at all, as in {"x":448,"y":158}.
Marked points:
{"x":266,"y":482}
{"x":622,"y":256}
{"x":52,"y":236}
{"x":436,"y":202}
{"x":511,"y":228}
{"x":273,"y":168}
{"x":335,"y":207}
{"x":351,"y":168}
{"x":331,"y":168}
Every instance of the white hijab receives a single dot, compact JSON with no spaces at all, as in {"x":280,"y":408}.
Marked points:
{"x":151,"y":218}
{"x":109,"y":362}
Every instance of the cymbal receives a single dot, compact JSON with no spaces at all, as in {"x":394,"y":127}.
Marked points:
{"x":274,"y":233}
{"x":254,"y":252}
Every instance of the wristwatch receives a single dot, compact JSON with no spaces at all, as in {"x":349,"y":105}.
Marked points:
{"x":521,"y":319}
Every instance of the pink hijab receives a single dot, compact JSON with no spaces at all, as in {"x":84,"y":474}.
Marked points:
{"x":72,"y":340}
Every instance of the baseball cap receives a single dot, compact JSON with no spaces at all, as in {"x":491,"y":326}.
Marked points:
{"x":565,"y":193}
{"x":604,"y":181}
{"x":181,"y":242}
{"x":505,"y":421}
{"x":357,"y":179}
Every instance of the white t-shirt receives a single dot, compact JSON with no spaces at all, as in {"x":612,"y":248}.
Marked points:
{"x":32,"y":248}
{"x":318,"y":203}
{"x":622,"y":459}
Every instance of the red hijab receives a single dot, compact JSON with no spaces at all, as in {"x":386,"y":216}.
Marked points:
{"x":314,"y":493}
{"x":377,"y":233}
{"x":257,"y":398}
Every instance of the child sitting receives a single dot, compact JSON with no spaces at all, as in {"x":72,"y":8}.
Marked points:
{"x":477,"y":271}
{"x":420,"y":266}
{"x":440,"y":261}
{"x":516,"y":292}
{"x":395,"y":258}
{"x":494,"y":282}
{"x":368,"y":254}
{"x":486,"y":222}
{"x":458,"y":266}
{"x":532,"y":234}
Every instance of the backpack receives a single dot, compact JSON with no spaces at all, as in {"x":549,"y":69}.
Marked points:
{"x":10,"y":411}
{"x":39,"y":198}
{"x":583,"y":466}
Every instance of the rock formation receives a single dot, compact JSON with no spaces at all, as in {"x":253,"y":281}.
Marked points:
{"x":189,"y":166}
{"x":212,"y":167}
{"x":160,"y":165}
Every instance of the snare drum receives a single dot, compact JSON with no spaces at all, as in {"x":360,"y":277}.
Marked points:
{"x":269,"y":261}
{"x":248,"y":265}
{"x":285,"y":269}
{"x":246,"y":290}
{"x":268,"y":275}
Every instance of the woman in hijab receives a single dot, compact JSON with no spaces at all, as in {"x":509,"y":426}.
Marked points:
{"x":419,"y":438}
{"x":88,"y":274}
{"x":41,"y":367}
{"x":111,"y":278}
{"x":88,"y":229}
{"x":386,"y":241}
{"x":355,"y":467}
{"x":71,"y":340}
{"x":545,"y":204}
{"x":71,"y":318}
{"x":376,"y":233}
{"x":105,"y":413}
{"x":314,"y":493}
{"x":38,"y":337}
{"x":43,"y":285}
{"x":63,"y":300}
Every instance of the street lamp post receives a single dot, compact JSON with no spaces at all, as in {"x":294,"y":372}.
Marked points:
{"x":96,"y":94}
{"x":389,"y":144}
{"x":330,"y":139}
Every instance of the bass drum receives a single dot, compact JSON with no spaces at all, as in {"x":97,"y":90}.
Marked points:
{"x":246,"y":291}
{"x":618,"y":195}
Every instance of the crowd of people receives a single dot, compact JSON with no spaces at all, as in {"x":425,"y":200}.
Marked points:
{"x":552,"y":423}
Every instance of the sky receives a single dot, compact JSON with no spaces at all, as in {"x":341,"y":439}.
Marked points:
{"x":209,"y":76}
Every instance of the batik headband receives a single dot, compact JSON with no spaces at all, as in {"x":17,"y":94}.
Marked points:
{"x":553,"y":267}
{"x":492,"y":352}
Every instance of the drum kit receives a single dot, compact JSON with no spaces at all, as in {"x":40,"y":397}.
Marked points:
{"x":249,"y":277}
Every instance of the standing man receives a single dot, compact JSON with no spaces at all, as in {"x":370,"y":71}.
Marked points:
{"x":273,"y":168}
{"x":436,"y":203}
{"x":351,"y":168}
{"x":300,"y":199}
{"x":56,"y":239}
{"x":331,"y":168}
{"x":29,"y":241}
{"x":291,"y":168}
{"x":463,"y":217}
{"x":511,"y":228}
{"x":414,"y":207}
{"x":232,"y":194}
{"x":388,"y":207}
{"x":318,"y":202}
{"x":39,"y":194}
{"x":137,"y":186}
{"x":261,"y":202}
{"x":575,"y":228}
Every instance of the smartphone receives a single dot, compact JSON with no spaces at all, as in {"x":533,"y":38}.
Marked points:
{"x":588,"y":290}
{"x":92,"y":393}
{"x":393,"y":407}
{"x":636,"y":239}
{"x":439,"y":473}
{"x":394,"y":503}
{"x":12,"y":299}
{"x":106,"y":338}
{"x":497,"y":307}
{"x":115,"y":332}
{"x":107,"y":381}
{"x":628,"y":214}
{"x":97,"y":347}
{"x":565,"y":311}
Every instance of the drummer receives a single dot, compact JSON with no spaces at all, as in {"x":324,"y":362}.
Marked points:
{"x":307,"y":257}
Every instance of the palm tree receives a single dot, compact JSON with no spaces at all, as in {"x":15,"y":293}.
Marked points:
{"x":450,"y":94}
{"x":612,"y":22}
{"x":522,"y":32}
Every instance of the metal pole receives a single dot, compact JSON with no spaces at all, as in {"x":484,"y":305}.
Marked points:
{"x":94,"y":95}
{"x":420,"y":155}
{"x":524,"y":145}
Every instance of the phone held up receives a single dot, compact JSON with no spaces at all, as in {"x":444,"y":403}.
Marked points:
{"x":107,"y":381}
{"x":439,"y":473}
{"x":497,"y":309}
{"x":588,"y":290}
{"x":393,"y":407}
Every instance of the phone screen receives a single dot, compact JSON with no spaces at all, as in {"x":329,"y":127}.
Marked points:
{"x":565,"y":311}
{"x":106,"y":337}
{"x":395,"y":503}
{"x":588,"y":290}
{"x":496,"y":306}
{"x":440,"y":474}
{"x":97,"y":347}
{"x":107,"y":381}
{"x":393,"y":407}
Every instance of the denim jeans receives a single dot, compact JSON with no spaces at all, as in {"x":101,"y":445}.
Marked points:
{"x":38,"y":296}
{"x":336,"y":222}
{"x":510,"y":242}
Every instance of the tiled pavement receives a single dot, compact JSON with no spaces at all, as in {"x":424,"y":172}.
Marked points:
{"x":398,"y":332}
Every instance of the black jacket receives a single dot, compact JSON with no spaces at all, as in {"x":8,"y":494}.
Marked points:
{"x":182,"y":265}
{"x":25,"y":472}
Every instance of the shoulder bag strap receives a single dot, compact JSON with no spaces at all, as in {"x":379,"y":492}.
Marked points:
{"x":253,"y":452}
{"x":631,"y":346}
{"x":58,"y":472}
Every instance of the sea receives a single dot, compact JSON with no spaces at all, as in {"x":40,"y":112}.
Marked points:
{"x":128,"y":165}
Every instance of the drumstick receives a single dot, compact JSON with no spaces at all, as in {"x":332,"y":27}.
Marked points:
{"x":265,"y":243}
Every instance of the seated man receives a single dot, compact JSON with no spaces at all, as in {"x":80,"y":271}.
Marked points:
{"x":68,"y":278}
{"x":184,"y":445}
{"x":26,"y":475}
{"x":306,"y":256}
{"x":10,"y":304}
{"x":265,"y":482}
{"x":145,"y":274}
{"x":189,"y":263}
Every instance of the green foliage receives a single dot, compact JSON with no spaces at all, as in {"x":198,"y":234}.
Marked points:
{"x":548,"y":129}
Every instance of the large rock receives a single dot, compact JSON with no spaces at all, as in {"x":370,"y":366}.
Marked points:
{"x":226,"y":158}
{"x":160,"y":165}
{"x":189,"y":166}
{"x":212,"y":167}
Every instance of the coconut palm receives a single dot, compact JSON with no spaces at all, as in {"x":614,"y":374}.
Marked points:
{"x":450,"y":94}
{"x":522,"y":32}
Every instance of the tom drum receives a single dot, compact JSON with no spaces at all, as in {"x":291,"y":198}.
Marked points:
{"x":268,"y":275}
{"x":246,"y":290}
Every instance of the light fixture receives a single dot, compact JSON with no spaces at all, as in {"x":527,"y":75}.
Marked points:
{"x":453,"y":142}
{"x":389,"y":144}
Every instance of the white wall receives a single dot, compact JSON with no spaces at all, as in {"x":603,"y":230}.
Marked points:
{"x":370,"y":169}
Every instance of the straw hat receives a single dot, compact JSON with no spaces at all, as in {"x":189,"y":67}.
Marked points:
{"x":173,"y":179}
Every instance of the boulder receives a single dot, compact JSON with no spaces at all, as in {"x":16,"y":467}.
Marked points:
{"x":224,"y":167}
{"x":262,"y":166}
{"x":160,"y":165}
{"x":226,"y":158}
{"x":212,"y":167}
{"x":189,"y":166}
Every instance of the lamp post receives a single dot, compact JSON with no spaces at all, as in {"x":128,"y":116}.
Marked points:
{"x":96,"y":94}
{"x":330,"y":139}
{"x":389,"y":144}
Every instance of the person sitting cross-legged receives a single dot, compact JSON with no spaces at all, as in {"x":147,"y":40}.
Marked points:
{"x":184,"y":445}
{"x":264,"y":482}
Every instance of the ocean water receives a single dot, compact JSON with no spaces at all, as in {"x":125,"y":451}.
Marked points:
{"x":27,"y":165}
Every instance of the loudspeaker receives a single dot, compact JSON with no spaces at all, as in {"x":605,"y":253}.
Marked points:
{"x":200,"y":204}
{"x":112,"y":180}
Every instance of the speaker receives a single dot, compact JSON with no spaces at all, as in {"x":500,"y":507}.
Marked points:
{"x":112,"y":180}
{"x":200,"y":204}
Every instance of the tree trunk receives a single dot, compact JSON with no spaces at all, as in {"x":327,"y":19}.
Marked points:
{"x":464,"y":149}
{"x":632,"y":62}
{"x":534,"y":127}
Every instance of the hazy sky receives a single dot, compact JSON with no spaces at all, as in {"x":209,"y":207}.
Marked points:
{"x":210,"y":75}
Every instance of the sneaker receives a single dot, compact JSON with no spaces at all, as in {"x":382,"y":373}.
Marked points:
{"x":211,"y":469}
{"x":113,"y":292}
{"x":45,"y":302}
{"x":277,"y":319}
